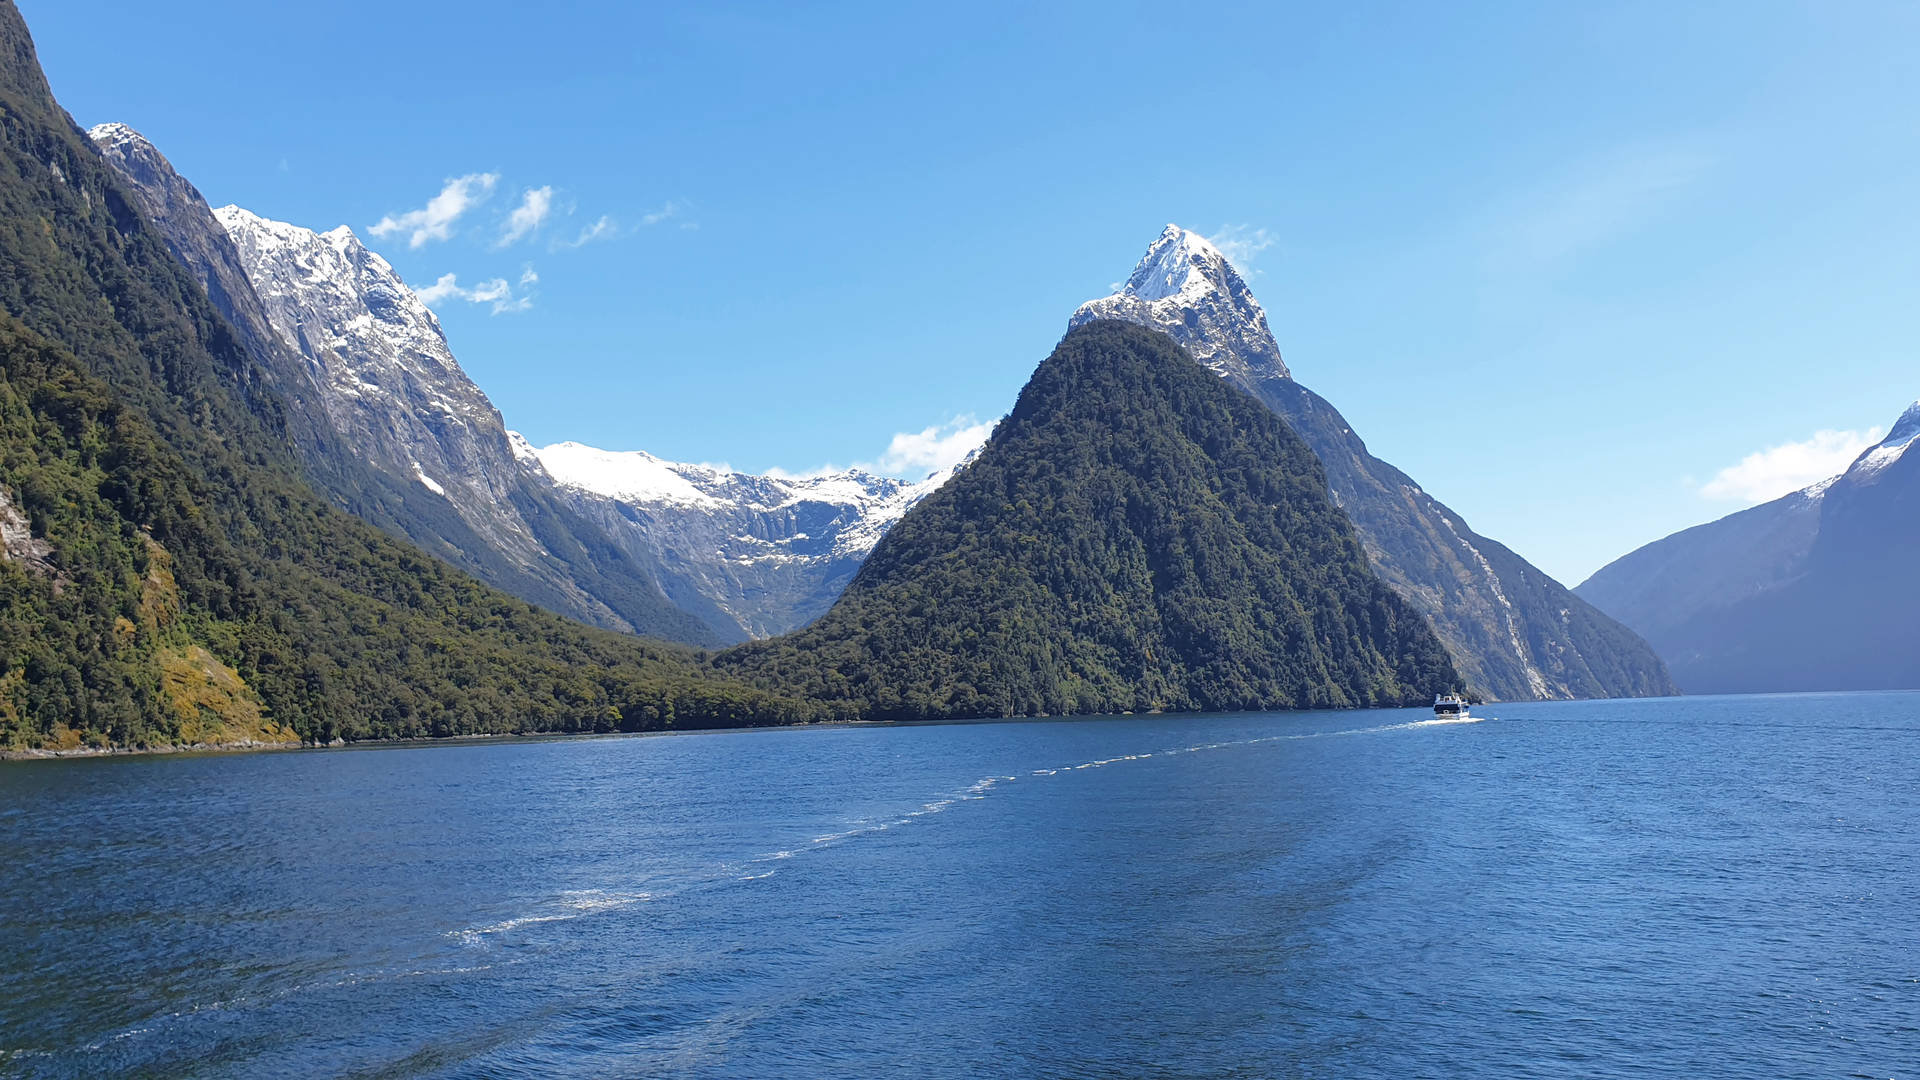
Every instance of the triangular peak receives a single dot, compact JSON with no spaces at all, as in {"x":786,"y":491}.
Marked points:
{"x":1186,"y":288}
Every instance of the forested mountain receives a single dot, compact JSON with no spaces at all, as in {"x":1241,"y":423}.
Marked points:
{"x":1514,"y":632}
{"x":385,"y":420}
{"x":168,"y":574}
{"x":1136,"y":535}
{"x":1819,"y":590}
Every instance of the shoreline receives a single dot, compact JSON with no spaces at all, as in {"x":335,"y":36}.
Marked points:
{"x":248,"y":747}
{"x":253,"y":747}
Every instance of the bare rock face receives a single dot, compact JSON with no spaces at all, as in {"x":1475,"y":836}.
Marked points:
{"x":1513,"y":632}
{"x":390,"y":383}
{"x":18,"y":543}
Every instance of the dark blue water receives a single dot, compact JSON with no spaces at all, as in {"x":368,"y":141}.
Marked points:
{"x":1702,"y":888}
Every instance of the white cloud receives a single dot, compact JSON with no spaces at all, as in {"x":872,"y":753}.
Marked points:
{"x":493,"y":291}
{"x":1777,"y":470}
{"x":528,"y":277}
{"x":435,"y":221}
{"x":914,"y":455}
{"x":603,"y":229}
{"x":1241,"y":244}
{"x":534,"y":209}
{"x":934,"y":449}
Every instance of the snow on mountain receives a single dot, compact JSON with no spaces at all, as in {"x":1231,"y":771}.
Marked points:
{"x":397,"y":399}
{"x":633,"y":476}
{"x":371,"y":340}
{"x":1186,"y":288}
{"x":1890,"y":449}
{"x":763,"y":554}
{"x":391,"y":384}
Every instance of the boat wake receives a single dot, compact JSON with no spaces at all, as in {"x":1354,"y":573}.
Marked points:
{"x":581,"y":903}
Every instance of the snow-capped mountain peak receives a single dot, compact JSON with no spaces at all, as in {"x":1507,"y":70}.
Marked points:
{"x":1185,"y":287}
{"x":1890,"y":449}
{"x":1179,"y":260}
{"x":117,"y":134}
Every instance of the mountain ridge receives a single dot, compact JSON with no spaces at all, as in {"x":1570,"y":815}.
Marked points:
{"x":1514,"y":632}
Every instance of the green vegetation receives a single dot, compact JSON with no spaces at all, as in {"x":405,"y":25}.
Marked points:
{"x":1137,"y":534}
{"x":187,"y":608}
{"x":196,"y":585}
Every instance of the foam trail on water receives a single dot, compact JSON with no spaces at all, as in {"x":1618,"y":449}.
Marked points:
{"x":574,"y":905}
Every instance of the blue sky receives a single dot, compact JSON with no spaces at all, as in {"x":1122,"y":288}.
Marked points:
{"x":1589,"y":273}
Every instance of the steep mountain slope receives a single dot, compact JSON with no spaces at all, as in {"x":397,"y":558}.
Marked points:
{"x":1514,"y":632}
{"x":385,"y":420}
{"x":177,"y":581}
{"x":753,"y":555}
{"x":1659,"y":588}
{"x":1136,"y":535}
{"x":1834,"y":606}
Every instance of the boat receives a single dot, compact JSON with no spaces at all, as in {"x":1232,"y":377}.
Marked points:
{"x":1450,"y":707}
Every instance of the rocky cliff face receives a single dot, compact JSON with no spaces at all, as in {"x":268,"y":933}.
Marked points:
{"x":385,"y":420}
{"x":1818,"y":590}
{"x":1514,"y":632}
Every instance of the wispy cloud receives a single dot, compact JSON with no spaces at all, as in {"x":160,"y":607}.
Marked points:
{"x":1241,"y":244}
{"x":668,"y":212}
{"x":1588,"y":206}
{"x":435,"y":221}
{"x":1768,"y":474}
{"x":494,"y":291}
{"x":534,"y":209}
{"x":604,"y":229}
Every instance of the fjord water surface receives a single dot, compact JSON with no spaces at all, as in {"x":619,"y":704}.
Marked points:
{"x":1715,"y":887}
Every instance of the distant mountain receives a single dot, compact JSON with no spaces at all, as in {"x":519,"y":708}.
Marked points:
{"x":754,"y":555}
{"x":385,"y":420}
{"x":1136,"y":535}
{"x":1514,"y":632}
{"x":1658,"y":589}
{"x":168,"y":577}
{"x":1818,"y":590}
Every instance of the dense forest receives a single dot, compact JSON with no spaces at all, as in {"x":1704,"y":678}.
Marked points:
{"x":171,"y":578}
{"x":1138,"y":534}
